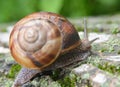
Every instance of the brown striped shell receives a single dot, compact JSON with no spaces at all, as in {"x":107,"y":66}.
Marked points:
{"x":37,"y":40}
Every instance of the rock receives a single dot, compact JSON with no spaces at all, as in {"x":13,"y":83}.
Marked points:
{"x":112,"y":59}
{"x":100,"y":24}
{"x":95,"y":73}
{"x":9,"y":28}
{"x":4,"y":50}
{"x":102,"y":37}
{"x":97,"y":77}
{"x":5,"y":63}
{"x":4,"y":39}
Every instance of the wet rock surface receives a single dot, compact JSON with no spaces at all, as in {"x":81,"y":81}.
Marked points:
{"x":101,"y":70}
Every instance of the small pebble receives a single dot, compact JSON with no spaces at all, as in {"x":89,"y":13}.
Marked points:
{"x":4,"y":50}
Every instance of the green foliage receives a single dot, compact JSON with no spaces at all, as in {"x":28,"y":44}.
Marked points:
{"x":13,"y":10}
{"x":50,"y":5}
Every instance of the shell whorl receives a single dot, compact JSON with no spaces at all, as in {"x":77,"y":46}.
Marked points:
{"x":69,"y":34}
{"x":38,"y":39}
{"x":35,"y":43}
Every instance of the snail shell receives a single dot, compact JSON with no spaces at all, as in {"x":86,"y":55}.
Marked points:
{"x":37,"y":40}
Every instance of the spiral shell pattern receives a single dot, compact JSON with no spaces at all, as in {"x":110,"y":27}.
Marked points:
{"x":35,"y":42}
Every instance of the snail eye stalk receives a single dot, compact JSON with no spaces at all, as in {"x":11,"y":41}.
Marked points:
{"x":86,"y":32}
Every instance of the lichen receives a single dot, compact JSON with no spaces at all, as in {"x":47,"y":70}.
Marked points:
{"x":44,"y":81}
{"x":5,"y":82}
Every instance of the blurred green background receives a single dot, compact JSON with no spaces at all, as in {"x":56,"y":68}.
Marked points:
{"x":13,"y":10}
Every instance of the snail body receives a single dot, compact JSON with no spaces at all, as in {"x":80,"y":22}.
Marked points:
{"x":45,"y":41}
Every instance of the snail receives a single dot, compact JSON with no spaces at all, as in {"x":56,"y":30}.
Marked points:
{"x":45,"y":41}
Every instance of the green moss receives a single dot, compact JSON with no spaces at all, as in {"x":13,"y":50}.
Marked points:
{"x":95,"y":30}
{"x":109,"y":22}
{"x":5,"y":82}
{"x":45,"y":81}
{"x":108,"y":67}
{"x":3,"y":30}
{"x":109,"y":46}
{"x":13,"y":71}
{"x":112,"y":43}
{"x":115,"y":31}
{"x":104,"y":65}
{"x":119,"y":52}
{"x":55,"y":74}
{"x":2,"y":55}
{"x":111,"y":68}
{"x":103,"y":49}
{"x":79,"y":29}
{"x":68,"y":81}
